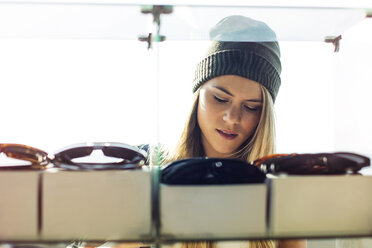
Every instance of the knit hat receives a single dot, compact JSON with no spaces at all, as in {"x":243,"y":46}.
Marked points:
{"x":244,"y":47}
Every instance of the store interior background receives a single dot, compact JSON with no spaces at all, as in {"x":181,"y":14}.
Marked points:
{"x":56,"y":92}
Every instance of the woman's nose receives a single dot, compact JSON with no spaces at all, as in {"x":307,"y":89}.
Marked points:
{"x":232,"y":114}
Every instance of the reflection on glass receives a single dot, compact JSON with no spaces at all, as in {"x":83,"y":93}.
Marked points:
{"x":289,"y":23}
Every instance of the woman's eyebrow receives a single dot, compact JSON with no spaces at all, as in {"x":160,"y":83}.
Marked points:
{"x":254,"y":100}
{"x":229,"y":93}
{"x":224,"y":90}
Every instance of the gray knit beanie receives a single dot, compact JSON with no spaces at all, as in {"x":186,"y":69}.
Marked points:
{"x":244,"y":47}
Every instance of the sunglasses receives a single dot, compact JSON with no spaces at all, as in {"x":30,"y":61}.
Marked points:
{"x":38,"y":159}
{"x":199,"y":171}
{"x":312,"y":164}
{"x":130,"y":157}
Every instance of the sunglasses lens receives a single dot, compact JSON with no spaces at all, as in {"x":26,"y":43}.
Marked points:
{"x":241,"y":172}
{"x":125,"y":153}
{"x":354,"y":157}
{"x":184,"y":172}
{"x":76,"y":152}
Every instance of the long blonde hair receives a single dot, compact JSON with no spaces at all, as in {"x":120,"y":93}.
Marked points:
{"x":260,"y":144}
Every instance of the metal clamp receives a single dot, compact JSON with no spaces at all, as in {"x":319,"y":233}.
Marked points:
{"x":335,"y":40}
{"x":156,"y":11}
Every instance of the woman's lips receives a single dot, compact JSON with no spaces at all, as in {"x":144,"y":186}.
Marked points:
{"x":227,"y":134}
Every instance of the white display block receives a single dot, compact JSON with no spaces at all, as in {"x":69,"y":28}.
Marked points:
{"x":315,"y":206}
{"x":97,"y":205}
{"x":19,"y":205}
{"x":212,"y":212}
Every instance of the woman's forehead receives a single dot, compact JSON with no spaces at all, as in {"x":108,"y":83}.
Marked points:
{"x":235,"y":86}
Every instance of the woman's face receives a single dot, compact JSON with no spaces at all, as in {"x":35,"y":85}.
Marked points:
{"x":228,"y":112}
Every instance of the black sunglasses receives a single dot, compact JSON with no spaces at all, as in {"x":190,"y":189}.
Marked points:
{"x":199,"y":171}
{"x":131,"y":157}
{"x":312,"y":164}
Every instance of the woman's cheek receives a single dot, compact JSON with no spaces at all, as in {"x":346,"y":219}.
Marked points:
{"x":250,"y":123}
{"x":206,"y":106}
{"x":211,"y":105}
{"x":202,"y":101}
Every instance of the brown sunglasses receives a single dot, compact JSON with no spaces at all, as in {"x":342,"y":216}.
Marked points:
{"x":313,"y":163}
{"x":39,"y":159}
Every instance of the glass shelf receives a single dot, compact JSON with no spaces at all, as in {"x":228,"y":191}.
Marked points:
{"x":120,"y":20}
{"x":81,"y":21}
{"x":289,"y":23}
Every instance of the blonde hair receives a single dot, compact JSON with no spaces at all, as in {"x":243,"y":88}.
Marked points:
{"x":261,"y":143}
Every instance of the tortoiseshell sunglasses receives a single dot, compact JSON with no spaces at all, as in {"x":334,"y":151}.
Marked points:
{"x":313,"y":163}
{"x":38,"y":159}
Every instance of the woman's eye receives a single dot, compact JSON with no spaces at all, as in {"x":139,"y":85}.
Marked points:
{"x":219,"y":99}
{"x":251,"y":109}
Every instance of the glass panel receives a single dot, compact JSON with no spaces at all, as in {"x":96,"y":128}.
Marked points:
{"x":353,"y":98}
{"x":106,"y":85}
{"x":323,"y":103}
{"x":59,"y":92}
{"x":118,"y":20}
{"x":304,"y":106}
{"x":296,"y":24}
{"x":177,"y":62}
{"x":86,"y":21}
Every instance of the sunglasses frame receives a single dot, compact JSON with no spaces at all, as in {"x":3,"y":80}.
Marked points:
{"x":39,"y":159}
{"x":63,"y":158}
{"x":203,"y":170}
{"x":312,"y":163}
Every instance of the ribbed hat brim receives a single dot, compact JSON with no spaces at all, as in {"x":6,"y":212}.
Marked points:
{"x":241,"y":63}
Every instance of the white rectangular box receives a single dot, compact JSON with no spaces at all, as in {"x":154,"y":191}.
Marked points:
{"x":19,"y":205}
{"x":212,"y":212}
{"x":97,"y":205}
{"x":315,"y":206}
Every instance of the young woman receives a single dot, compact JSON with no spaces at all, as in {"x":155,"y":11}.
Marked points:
{"x":233,"y":112}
